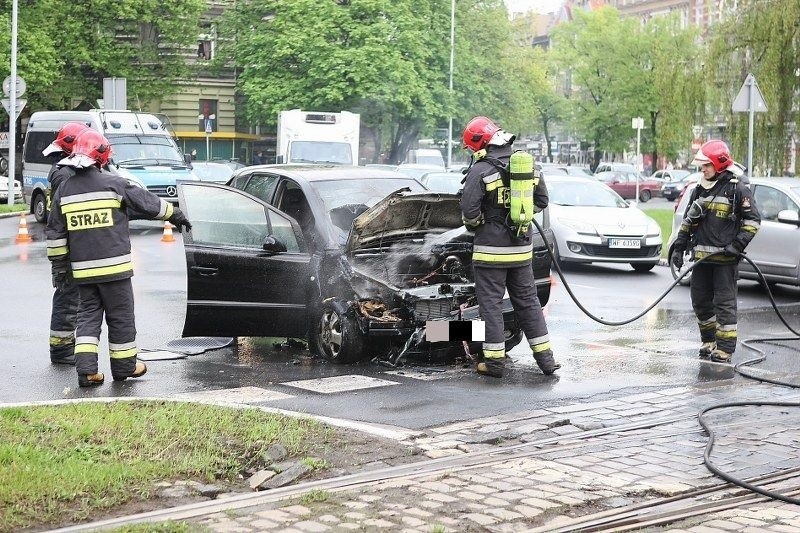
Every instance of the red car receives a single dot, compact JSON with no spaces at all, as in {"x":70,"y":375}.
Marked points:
{"x":624,"y":184}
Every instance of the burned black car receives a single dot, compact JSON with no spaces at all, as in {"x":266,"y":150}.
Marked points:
{"x":354,"y":259}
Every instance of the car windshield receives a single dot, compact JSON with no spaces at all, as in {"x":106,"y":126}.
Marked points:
{"x":584,"y":194}
{"x":212,"y":171}
{"x":132,"y":150}
{"x":679,"y":175}
{"x":336,"y":193}
{"x":443,"y":182}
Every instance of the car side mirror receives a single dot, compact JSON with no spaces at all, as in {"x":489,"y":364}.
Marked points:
{"x":273,"y":246}
{"x":279,"y":159}
{"x":788,"y":216}
{"x":187,"y":158}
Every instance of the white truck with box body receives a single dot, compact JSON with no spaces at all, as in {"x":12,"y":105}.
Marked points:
{"x":142,"y":151}
{"x":318,"y":137}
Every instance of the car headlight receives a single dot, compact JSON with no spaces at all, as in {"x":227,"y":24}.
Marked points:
{"x":579,"y":226}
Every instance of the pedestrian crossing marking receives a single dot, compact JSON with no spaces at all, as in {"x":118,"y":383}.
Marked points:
{"x":340,"y":384}
{"x":238,"y":395}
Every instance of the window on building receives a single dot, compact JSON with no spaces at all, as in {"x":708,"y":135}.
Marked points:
{"x":206,"y":41}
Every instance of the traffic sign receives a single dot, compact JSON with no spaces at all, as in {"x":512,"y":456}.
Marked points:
{"x":20,"y":105}
{"x":741,"y":104}
{"x":21,"y":86}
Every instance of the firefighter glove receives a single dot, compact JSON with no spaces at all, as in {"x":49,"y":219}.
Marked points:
{"x":677,"y":259}
{"x":60,"y":278}
{"x":472,"y":223}
{"x":732,"y":250}
{"x":179,"y":220}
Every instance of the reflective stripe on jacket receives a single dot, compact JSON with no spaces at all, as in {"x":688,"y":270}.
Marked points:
{"x":88,"y":224}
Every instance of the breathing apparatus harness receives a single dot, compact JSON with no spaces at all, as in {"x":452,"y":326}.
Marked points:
{"x":739,"y":368}
{"x":521,"y":179}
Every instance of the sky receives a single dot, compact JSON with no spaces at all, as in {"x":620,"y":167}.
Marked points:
{"x":541,"y":6}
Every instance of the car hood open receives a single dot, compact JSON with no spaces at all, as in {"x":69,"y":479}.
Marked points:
{"x":407,"y":215}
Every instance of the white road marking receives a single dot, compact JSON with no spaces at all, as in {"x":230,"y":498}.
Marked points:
{"x":339,"y":384}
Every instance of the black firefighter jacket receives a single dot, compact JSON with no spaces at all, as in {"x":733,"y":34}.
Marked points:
{"x":88,"y":224}
{"x":731,"y":217}
{"x":497,"y":242}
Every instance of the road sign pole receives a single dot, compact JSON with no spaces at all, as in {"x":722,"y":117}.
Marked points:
{"x":751,"y":120}
{"x":12,"y":109}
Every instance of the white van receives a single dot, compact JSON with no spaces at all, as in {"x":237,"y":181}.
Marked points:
{"x":426,"y":156}
{"x":143,"y":151}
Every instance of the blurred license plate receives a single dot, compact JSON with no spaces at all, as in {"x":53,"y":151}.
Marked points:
{"x":624,"y":243}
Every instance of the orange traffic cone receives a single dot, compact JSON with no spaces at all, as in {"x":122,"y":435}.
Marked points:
{"x":167,"y":237}
{"x":22,"y":235}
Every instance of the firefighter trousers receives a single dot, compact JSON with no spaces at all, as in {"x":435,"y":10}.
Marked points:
{"x":714,"y":292}
{"x":63,"y":316}
{"x":114,"y":299}
{"x":490,"y":287}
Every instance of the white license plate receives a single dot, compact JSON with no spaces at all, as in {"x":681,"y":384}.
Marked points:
{"x":624,"y":243}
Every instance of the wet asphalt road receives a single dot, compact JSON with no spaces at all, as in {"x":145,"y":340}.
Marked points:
{"x":598,"y":361}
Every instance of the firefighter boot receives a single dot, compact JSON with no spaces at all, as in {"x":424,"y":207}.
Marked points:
{"x":706,"y":349}
{"x":719,"y":356}
{"x":491,"y":367}
{"x":141,"y":370}
{"x":91,"y":380}
{"x":546,"y":362}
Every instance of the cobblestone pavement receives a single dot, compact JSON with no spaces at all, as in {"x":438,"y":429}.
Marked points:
{"x":554,"y":468}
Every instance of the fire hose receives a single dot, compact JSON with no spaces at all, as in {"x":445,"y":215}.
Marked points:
{"x":739,"y":368}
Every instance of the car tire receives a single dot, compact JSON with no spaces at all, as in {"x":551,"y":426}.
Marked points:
{"x":675,"y":273}
{"x":512,"y":337}
{"x":643,"y":267}
{"x":645,"y":196}
{"x":543,"y":292}
{"x":338,"y":337}
{"x":39,"y":207}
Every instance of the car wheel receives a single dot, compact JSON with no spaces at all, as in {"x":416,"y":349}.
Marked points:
{"x":643,"y":267}
{"x":338,"y":336}
{"x":676,"y":273}
{"x":645,"y":195}
{"x":543,"y":292}
{"x":39,"y":207}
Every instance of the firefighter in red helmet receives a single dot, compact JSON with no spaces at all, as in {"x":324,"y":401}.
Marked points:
{"x":720,"y":220}
{"x":502,"y":249}
{"x":87,"y":236}
{"x":65,"y":297}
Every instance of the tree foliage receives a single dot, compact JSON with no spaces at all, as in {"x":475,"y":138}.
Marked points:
{"x":65,"y":49}
{"x":387,"y":60}
{"x":761,"y":37}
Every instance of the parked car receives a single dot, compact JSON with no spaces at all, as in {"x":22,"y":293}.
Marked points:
{"x":672,"y":189}
{"x":624,"y":184}
{"x":592,"y":224}
{"x":354,"y":259}
{"x":776,"y":246}
{"x":4,"y":189}
{"x":551,"y":169}
{"x":572,"y":170}
{"x":610,"y":167}
{"x":449,"y":182}
{"x":217,"y":172}
{"x":416,"y":170}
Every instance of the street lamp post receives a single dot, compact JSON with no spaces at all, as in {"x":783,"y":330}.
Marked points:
{"x":637,"y":124}
{"x":452,"y":61}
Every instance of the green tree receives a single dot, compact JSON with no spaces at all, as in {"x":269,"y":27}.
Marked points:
{"x":603,"y":57}
{"x":387,"y":60}
{"x":761,"y":37}
{"x":673,"y":93}
{"x":65,"y":49}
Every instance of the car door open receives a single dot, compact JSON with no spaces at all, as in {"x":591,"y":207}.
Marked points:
{"x":240,"y":281}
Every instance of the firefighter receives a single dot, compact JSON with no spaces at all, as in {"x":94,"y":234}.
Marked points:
{"x":720,"y":220}
{"x":87,"y":232}
{"x":502,"y":247}
{"x":65,"y":296}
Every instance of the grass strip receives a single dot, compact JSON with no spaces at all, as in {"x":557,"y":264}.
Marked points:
{"x":14,"y":208}
{"x":69,"y":463}
{"x":664,"y":219}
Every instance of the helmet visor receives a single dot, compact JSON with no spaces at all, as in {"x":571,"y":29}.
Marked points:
{"x":52,"y":148}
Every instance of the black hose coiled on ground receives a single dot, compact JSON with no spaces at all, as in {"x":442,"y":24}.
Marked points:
{"x":737,"y":368}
